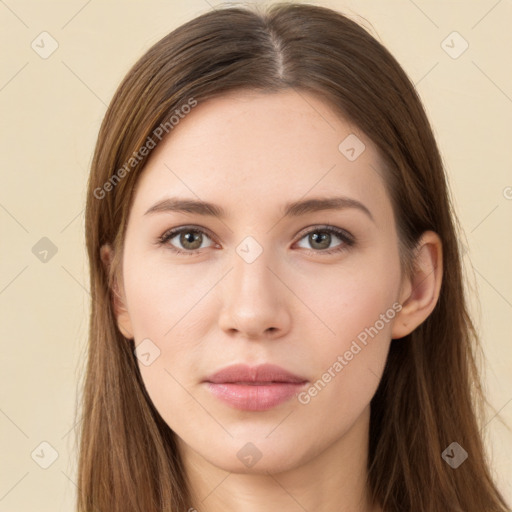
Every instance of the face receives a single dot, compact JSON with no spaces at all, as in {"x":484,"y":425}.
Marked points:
{"x":313,"y":291}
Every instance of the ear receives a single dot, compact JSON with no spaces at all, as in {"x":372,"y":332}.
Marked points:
{"x":119,"y":299}
{"x":420,"y":292}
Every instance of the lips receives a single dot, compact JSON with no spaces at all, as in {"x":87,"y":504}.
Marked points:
{"x":256,"y":388}
{"x":262,"y":374}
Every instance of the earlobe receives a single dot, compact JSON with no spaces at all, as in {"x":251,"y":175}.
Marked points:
{"x":118,"y":297}
{"x":420,"y":293}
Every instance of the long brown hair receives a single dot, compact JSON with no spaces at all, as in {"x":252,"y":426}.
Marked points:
{"x":430,"y":394}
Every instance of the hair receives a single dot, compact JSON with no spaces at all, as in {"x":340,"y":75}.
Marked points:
{"x":430,"y":393}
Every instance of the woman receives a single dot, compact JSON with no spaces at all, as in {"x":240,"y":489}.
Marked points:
{"x":278,"y":318}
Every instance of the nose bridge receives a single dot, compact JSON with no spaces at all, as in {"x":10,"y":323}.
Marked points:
{"x":253,"y":298}
{"x":251,"y":268}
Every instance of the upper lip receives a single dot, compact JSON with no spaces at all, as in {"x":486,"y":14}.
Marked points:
{"x":264,"y":374}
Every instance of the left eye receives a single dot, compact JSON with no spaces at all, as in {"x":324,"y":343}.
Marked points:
{"x":323,"y":241}
{"x":191,"y":239}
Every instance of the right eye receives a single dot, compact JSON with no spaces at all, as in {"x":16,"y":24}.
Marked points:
{"x":190,"y":239}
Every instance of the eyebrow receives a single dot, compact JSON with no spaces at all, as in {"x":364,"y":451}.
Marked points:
{"x":290,"y":209}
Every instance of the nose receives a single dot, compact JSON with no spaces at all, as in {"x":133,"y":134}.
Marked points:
{"x":255,"y":300}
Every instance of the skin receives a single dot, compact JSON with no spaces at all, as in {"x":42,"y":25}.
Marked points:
{"x":250,"y":153}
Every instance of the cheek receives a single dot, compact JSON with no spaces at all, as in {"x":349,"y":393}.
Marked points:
{"x":161,"y":302}
{"x":161,"y":298}
{"x":167,"y":310}
{"x":345,"y":299}
{"x":357,"y":306}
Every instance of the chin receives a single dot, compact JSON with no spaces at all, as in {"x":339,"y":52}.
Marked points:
{"x":272,"y":463}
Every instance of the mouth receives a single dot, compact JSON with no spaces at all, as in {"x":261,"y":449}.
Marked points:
{"x":254,"y":388}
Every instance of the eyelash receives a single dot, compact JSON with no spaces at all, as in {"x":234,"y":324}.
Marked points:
{"x":347,"y":239}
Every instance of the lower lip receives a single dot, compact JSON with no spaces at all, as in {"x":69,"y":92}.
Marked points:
{"x":260,"y":397}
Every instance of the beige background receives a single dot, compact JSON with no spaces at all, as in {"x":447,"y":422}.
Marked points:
{"x":51,"y":111}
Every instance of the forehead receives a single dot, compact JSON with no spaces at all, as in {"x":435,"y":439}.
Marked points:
{"x":261,"y":150}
